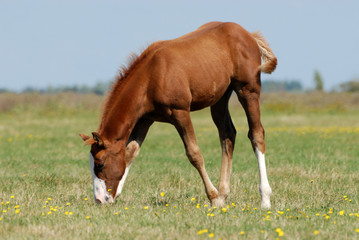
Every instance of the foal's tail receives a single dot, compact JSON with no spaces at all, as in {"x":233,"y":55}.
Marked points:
{"x":269,"y":60}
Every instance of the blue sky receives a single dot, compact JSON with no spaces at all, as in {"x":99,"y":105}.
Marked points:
{"x":57,"y":43}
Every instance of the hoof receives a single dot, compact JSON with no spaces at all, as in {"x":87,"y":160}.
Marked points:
{"x":265,"y":205}
{"x":218,"y":202}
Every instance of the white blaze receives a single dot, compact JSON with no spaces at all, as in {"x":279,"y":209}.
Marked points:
{"x":99,"y":186}
{"x":264,"y":188}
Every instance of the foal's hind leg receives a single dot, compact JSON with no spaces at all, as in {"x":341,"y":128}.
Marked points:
{"x":182,"y":122}
{"x":248,"y":95}
{"x":227,"y":136}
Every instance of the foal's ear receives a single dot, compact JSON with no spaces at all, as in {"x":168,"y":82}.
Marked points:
{"x":98,"y":139}
{"x":88,"y":140}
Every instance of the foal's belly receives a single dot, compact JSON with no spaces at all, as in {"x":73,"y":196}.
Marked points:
{"x":208,"y":94}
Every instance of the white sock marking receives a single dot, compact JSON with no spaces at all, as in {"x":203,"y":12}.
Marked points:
{"x":264,"y":188}
{"x":122,"y":181}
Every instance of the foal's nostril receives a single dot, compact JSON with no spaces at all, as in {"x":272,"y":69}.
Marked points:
{"x":98,"y":201}
{"x":106,"y":198}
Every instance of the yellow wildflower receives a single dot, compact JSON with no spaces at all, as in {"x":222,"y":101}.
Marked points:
{"x":224,"y":209}
{"x":85,"y":199}
{"x":87,"y":217}
{"x":357,"y":230}
{"x":17,"y":211}
{"x":162,"y":194}
{"x":242,"y":232}
{"x":145,"y":207}
{"x":342,"y":212}
{"x":202,"y":231}
{"x":0,"y":218}
{"x":192,"y":199}
{"x":68,"y":204}
{"x":17,"y":206}
{"x":316,"y":232}
{"x":12,"y":196}
{"x":279,"y":232}
{"x":211,"y":235}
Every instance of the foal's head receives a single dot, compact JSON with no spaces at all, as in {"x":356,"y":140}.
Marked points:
{"x":107,"y":163}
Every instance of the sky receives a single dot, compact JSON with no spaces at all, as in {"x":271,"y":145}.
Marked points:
{"x":75,"y":42}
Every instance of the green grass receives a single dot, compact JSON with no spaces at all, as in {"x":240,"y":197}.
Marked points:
{"x":312,"y":162}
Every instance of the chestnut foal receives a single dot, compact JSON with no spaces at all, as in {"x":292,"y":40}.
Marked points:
{"x":167,"y":81}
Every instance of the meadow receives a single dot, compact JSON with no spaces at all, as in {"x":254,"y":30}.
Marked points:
{"x":312,"y":161}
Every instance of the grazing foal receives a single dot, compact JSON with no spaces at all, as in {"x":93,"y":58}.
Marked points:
{"x":168,"y":80}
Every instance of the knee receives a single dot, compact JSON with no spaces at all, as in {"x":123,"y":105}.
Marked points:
{"x":132,"y":151}
{"x":194,"y":155}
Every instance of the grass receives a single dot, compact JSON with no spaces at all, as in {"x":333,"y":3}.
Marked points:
{"x":312,"y":162}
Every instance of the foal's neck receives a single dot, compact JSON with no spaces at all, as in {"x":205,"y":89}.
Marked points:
{"x":123,"y":109}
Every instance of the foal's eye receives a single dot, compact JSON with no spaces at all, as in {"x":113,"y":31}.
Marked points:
{"x":98,"y":166}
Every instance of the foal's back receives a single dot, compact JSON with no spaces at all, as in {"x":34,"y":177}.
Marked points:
{"x":195,"y":70}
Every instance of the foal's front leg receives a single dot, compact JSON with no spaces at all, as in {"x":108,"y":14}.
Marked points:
{"x":227,"y":136}
{"x":133,"y":148}
{"x":183,"y":124}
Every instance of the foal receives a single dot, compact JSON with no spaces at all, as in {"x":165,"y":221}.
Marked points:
{"x":167,"y":81}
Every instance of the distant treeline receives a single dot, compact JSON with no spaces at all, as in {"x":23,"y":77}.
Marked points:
{"x":267,"y":86}
{"x":100,"y":89}
{"x":281,"y":86}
